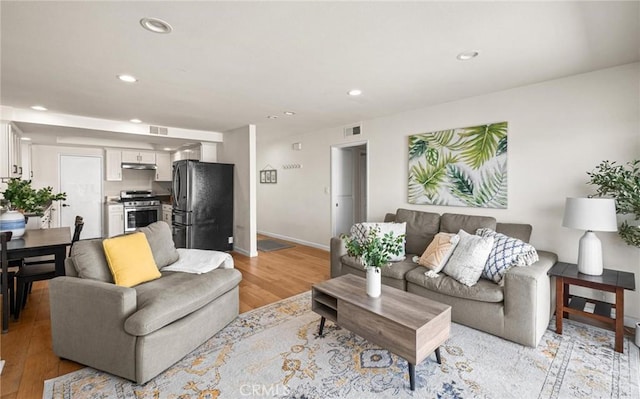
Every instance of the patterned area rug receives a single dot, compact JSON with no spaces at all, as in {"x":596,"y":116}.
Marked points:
{"x":274,"y":352}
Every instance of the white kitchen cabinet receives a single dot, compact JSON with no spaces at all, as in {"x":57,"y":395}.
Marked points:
{"x":163,"y":162}
{"x":113,"y":169}
{"x":115,"y":220}
{"x":27,"y":170}
{"x":134,"y":156}
{"x":167,"y":210}
{"x":10,"y":151}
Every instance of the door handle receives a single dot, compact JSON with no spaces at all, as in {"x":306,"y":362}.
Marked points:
{"x":20,"y":169}
{"x":65,"y":205}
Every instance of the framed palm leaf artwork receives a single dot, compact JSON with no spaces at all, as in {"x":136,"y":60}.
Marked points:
{"x":459,"y":167}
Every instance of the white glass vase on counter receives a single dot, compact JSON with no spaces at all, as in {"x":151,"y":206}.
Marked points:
{"x":374,"y":282}
{"x":12,"y":221}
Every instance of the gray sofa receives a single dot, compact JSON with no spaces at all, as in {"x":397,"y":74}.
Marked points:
{"x":519,"y":310}
{"x":138,"y":332}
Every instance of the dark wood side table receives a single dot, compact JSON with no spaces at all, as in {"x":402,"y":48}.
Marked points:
{"x":615,"y":281}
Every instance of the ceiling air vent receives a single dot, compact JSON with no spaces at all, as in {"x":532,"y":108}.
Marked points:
{"x":157,"y":130}
{"x":352,"y":131}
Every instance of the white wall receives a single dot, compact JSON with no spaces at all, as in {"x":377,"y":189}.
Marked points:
{"x":239,"y":148}
{"x":558,"y":131}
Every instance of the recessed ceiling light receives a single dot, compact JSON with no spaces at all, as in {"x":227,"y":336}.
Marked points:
{"x":354,"y":92}
{"x":127,"y":78}
{"x":289,"y":113}
{"x":25,"y":138}
{"x":156,"y":25}
{"x":272,"y":116}
{"x":167,"y":149}
{"x":38,"y":108}
{"x":135,"y":120}
{"x":467,"y":55}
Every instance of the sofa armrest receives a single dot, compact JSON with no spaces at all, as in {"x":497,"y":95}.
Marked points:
{"x":87,"y":319}
{"x":529,"y":297}
{"x":338,"y":250}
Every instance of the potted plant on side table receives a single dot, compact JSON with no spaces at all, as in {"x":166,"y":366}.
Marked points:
{"x":374,"y":251}
{"x":23,"y":200}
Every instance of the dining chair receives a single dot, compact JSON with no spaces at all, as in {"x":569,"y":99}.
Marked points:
{"x":39,"y":270}
{"x":4,"y":237}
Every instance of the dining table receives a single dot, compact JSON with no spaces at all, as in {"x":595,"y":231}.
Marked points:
{"x":37,"y":242}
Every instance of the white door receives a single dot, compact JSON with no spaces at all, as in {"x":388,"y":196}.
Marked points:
{"x":81,"y":179}
{"x":348,"y":187}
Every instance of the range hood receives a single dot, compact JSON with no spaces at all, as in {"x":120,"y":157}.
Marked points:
{"x":139,"y":166}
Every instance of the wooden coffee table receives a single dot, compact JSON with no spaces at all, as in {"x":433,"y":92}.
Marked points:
{"x":406,"y":324}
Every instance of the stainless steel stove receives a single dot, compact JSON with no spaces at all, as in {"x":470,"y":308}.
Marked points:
{"x":141,"y":208}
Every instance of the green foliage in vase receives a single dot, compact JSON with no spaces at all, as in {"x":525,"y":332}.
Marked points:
{"x":376,"y":249}
{"x":28,"y":200}
{"x":481,"y":143}
{"x":621,"y":182}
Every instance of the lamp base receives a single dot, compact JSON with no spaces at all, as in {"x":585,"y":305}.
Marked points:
{"x":590,"y":254}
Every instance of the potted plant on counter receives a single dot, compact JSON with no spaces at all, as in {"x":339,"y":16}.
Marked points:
{"x":21,"y":199}
{"x":374,"y":251}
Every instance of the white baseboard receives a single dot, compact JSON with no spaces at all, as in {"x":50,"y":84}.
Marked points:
{"x":244,"y":252}
{"x":298,"y":241}
{"x":631,"y":321}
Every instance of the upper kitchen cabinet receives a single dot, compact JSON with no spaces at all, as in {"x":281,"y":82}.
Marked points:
{"x":10,"y":151}
{"x":148,"y":157}
{"x":113,"y":169}
{"x":163,"y":162}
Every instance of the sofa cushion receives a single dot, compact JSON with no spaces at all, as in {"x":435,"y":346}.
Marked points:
{"x":362,"y":232}
{"x":397,"y":270}
{"x":161,"y":242}
{"x":468,"y":259}
{"x":516,"y":230}
{"x":421,"y":228}
{"x":453,"y":222}
{"x":130,"y":259}
{"x":89,"y":260}
{"x":438,"y":252}
{"x":506,"y":253}
{"x":175,"y":295}
{"x":484,"y":290}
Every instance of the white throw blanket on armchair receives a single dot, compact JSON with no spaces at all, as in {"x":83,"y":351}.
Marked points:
{"x":198,"y":261}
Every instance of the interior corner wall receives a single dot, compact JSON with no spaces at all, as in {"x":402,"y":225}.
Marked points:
{"x":558,"y":131}
{"x":239,"y":148}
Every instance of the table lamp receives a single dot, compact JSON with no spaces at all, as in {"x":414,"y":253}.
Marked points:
{"x":590,"y":214}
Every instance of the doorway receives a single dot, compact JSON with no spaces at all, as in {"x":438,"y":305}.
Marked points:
{"x":349,"y":186}
{"x":81,"y":179}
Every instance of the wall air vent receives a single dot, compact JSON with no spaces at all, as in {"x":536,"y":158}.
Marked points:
{"x":352,"y":131}
{"x":157,"y":130}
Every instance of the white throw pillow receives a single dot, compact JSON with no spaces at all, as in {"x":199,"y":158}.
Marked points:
{"x":506,"y":253}
{"x":468,"y":259}
{"x":361,"y":231}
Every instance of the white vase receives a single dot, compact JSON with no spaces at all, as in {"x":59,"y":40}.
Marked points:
{"x":374,"y":282}
{"x":12,"y":221}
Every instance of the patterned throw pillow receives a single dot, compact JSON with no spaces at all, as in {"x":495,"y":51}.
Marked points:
{"x":468,"y":259}
{"x":438,"y":252}
{"x":506,"y":253}
{"x":361,"y":231}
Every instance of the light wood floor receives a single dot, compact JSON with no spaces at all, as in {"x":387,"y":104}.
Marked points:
{"x":26,"y":348}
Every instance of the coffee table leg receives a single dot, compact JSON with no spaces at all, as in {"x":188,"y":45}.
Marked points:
{"x":412,"y":376}
{"x":321,"y":329}
{"x":438,"y":358}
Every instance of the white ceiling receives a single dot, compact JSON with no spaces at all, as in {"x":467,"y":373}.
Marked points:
{"x":229,"y":64}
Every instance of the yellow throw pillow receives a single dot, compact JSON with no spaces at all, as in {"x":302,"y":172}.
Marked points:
{"x":438,"y":252}
{"x":130,"y":259}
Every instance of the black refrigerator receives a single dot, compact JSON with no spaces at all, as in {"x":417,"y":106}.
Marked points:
{"x":202,"y":205}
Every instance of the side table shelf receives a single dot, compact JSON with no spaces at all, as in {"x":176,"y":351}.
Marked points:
{"x":614,"y":281}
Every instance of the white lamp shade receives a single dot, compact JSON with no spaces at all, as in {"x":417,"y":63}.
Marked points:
{"x":595,"y":214}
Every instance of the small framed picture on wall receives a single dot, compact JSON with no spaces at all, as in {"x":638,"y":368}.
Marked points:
{"x":263,"y":176}
{"x":274,"y":176}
